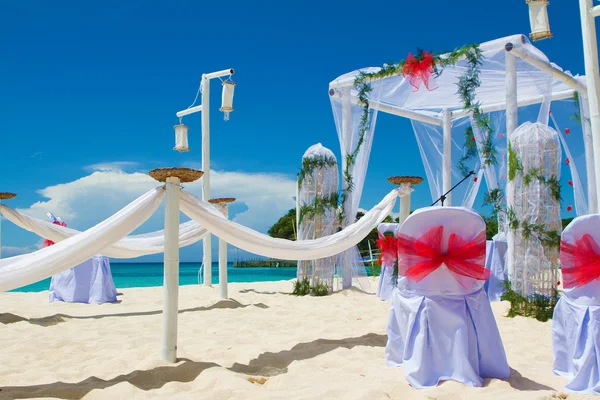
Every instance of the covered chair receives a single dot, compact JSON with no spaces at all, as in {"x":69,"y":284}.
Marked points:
{"x":89,"y":282}
{"x":576,"y":320}
{"x":441,"y":325}
{"x":385,"y":289}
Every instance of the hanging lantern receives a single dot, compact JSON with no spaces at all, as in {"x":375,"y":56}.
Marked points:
{"x":227,"y":99}
{"x":181,"y":138}
{"x":538,"y":18}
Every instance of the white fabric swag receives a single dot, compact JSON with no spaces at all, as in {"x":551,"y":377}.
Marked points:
{"x":258,"y":243}
{"x":29,"y":268}
{"x":129,"y":247}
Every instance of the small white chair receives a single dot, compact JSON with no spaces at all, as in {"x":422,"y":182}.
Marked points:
{"x":442,"y":326}
{"x":576,"y":320}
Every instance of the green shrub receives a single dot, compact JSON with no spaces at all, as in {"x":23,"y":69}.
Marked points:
{"x":539,"y":306}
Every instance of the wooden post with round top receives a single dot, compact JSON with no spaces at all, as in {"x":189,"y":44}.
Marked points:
{"x":173,"y":177}
{"x":4,"y":196}
{"x":404,"y":200}
{"x":221,"y":204}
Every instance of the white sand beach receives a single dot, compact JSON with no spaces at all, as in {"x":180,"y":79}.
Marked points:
{"x":263,"y":343}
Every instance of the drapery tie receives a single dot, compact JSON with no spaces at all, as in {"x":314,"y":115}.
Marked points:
{"x":420,"y":71}
{"x":580,"y":261}
{"x":388,"y":250}
{"x":418,"y":258}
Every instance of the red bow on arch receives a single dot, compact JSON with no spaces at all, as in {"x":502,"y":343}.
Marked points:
{"x":420,"y":71}
{"x":388,"y":250}
{"x":418,"y":258}
{"x":580,"y":261}
{"x":48,"y":242}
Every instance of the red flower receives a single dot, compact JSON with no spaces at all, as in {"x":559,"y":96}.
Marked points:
{"x":569,"y":208}
{"x":567,"y":131}
{"x":505,"y":199}
{"x":501,"y":135}
{"x":557,"y":283}
{"x":473,"y":138}
{"x":550,"y":112}
{"x":567,"y":161}
{"x":475,"y":179}
{"x":570,"y":183}
{"x":503,"y":176}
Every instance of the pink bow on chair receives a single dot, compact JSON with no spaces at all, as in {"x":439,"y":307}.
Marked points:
{"x":418,"y":258}
{"x":580,"y":261}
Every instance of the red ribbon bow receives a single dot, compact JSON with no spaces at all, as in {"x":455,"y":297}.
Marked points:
{"x":420,"y":71}
{"x":388,"y":250}
{"x":48,"y":242}
{"x":580,"y":262}
{"x":417,"y":258}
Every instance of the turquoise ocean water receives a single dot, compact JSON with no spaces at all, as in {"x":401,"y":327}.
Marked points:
{"x":127,"y":275}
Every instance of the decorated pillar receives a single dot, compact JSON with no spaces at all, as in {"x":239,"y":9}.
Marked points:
{"x":222,"y":204}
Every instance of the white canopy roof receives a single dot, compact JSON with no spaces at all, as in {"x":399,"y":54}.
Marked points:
{"x":534,"y":73}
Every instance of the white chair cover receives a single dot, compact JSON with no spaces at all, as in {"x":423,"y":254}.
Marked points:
{"x":437,"y":329}
{"x":89,"y":282}
{"x":576,"y":322}
{"x":495,"y":262}
{"x":386,"y":285}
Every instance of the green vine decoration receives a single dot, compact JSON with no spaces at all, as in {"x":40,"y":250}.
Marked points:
{"x":309,"y":164}
{"x":577,"y":114}
{"x":494,"y":198}
{"x":320,"y":205}
{"x":514,"y":164}
{"x":551,"y":183}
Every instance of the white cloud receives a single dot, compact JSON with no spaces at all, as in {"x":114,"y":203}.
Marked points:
{"x":93,"y":198}
{"x":11,"y":251}
{"x":111,"y":166}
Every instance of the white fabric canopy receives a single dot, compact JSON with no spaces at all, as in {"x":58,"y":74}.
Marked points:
{"x":129,"y":247}
{"x":29,"y":268}
{"x":258,"y":243}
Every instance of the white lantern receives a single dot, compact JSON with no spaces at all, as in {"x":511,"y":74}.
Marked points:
{"x":227,"y":98}
{"x":538,"y":18}
{"x":181,"y":138}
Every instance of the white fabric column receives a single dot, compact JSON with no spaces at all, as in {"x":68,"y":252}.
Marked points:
{"x":171,"y":271}
{"x":223,"y":283}
{"x":590,"y":53}
{"x":206,"y":243}
{"x":346,"y":140}
{"x":512,"y":121}
{"x":447,"y":166}
{"x":586,"y":127}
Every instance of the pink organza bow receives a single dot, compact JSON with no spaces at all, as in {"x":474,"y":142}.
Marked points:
{"x":580,"y":262}
{"x":418,"y":258}
{"x":420,"y":71}
{"x":48,"y":242}
{"x":388,"y":250}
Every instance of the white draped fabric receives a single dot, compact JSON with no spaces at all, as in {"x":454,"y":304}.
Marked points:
{"x":129,"y":247}
{"x":258,"y":243}
{"x":29,"y":268}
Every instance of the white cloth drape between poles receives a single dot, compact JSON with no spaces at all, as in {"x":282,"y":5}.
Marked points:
{"x":29,"y":268}
{"x":129,"y":247}
{"x":261,"y":244}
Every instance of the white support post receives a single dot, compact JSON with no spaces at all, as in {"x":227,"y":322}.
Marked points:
{"x":206,"y":242}
{"x":404,"y":208}
{"x":347,"y":137}
{"x":590,"y":53}
{"x":223,"y":284}
{"x":0,"y":233}
{"x":297,"y":207}
{"x":588,"y":145}
{"x":447,"y":157}
{"x":171,"y":271}
{"x":512,"y":121}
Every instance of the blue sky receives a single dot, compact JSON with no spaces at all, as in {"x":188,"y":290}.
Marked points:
{"x":88,"y":87}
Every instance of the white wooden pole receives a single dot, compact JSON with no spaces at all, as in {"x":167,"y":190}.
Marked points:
{"x":223,"y":284}
{"x":404,"y":208}
{"x":206,"y":242}
{"x":0,"y":233}
{"x":447,"y":157}
{"x":588,"y":145}
{"x":171,"y":271}
{"x":590,"y":54}
{"x":346,"y":137}
{"x":297,"y":206}
{"x":512,"y":121}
